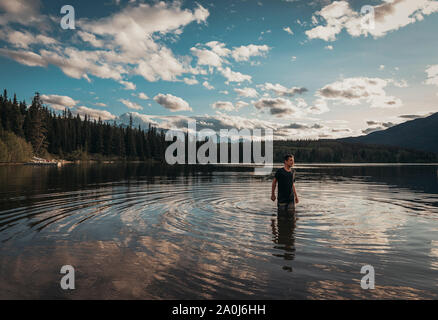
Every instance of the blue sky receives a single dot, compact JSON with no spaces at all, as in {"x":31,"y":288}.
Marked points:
{"x":308,"y":69}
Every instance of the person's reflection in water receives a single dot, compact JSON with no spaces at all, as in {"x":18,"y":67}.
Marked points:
{"x":283,"y":230}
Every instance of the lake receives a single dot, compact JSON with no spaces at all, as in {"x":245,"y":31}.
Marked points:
{"x":135,"y":231}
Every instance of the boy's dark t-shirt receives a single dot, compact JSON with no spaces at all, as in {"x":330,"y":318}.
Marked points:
{"x":285,"y":181}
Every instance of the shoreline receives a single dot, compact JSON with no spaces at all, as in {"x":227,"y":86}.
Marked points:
{"x":72,"y":162}
{"x":153,"y":162}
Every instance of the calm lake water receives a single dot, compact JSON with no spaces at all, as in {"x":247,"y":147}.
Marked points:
{"x":146,"y":232}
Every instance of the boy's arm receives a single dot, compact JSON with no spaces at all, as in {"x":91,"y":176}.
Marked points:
{"x":295,"y":194}
{"x":274,"y":185}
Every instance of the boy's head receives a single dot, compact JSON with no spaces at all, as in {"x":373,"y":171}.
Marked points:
{"x":289,"y":160}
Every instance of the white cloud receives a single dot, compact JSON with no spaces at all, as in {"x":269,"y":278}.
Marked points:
{"x":241,"y":104}
{"x":45,"y":40}
{"x":27,"y":58}
{"x":329,"y":47}
{"x":190,"y":81}
{"x":233,"y":76}
{"x":432,"y":75}
{"x":216,"y":122}
{"x":100,"y":104}
{"x":313,"y":131}
{"x":223,"y":105}
{"x":219,"y":48}
{"x":282,"y":91}
{"x":421,"y":114}
{"x":228,"y":122}
{"x":225,"y":121}
{"x":25,"y":12}
{"x":246,"y":92}
{"x":389,"y":16}
{"x":216,"y":56}
{"x":93,"y":113}
{"x":90,"y":38}
{"x":264,"y":32}
{"x":160,"y":64}
{"x":131,"y":105}
{"x":301,"y":126}
{"x":228,"y":106}
{"x":128,"y":85}
{"x":373,"y":129}
{"x":20,"y":39}
{"x":288,"y":30}
{"x":207,"y":85}
{"x":138,"y":23}
{"x":172,"y":103}
{"x":401,"y":84}
{"x":207,"y":57}
{"x":353,"y":91}
{"x":319,"y":107}
{"x":143,"y":96}
{"x":78,"y":64}
{"x":388,"y":124}
{"x":278,"y":107}
{"x":58,"y":102}
{"x":243,"y":53}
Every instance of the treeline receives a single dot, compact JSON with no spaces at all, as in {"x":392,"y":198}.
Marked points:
{"x":71,"y":137}
{"x":334,"y":151}
{"x":325,"y":151}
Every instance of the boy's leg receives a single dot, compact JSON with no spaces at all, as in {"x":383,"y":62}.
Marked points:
{"x":282,"y":209}
{"x":291,"y":210}
{"x":286,"y":210}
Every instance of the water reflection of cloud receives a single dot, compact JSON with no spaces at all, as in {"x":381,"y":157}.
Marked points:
{"x":337,"y":290}
{"x":189,"y":227}
{"x":212,"y":267}
{"x":353,"y":215}
{"x":103,"y":270}
{"x":434,"y":254}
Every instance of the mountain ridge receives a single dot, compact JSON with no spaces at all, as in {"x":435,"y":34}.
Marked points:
{"x":418,"y":134}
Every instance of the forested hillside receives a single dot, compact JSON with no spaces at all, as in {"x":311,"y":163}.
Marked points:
{"x":70,"y":137}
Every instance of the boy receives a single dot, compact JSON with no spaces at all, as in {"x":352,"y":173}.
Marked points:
{"x":287,"y":195}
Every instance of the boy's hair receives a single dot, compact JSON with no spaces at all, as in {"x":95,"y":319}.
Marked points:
{"x":286,"y":157}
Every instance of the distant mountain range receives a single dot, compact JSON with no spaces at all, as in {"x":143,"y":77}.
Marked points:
{"x":137,"y":120}
{"x":418,"y":134}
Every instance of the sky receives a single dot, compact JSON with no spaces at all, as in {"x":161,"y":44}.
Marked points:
{"x":306,"y":69}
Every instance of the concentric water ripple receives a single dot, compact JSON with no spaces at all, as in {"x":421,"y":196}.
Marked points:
{"x":215,"y":234}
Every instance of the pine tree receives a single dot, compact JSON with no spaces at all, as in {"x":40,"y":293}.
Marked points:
{"x":1,"y":112}
{"x":139,"y":143}
{"x":36,"y":130}
{"x":23,"y":108}
{"x":98,"y":137}
{"x":5,"y":112}
{"x":130,"y":140}
{"x":16,"y":118}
